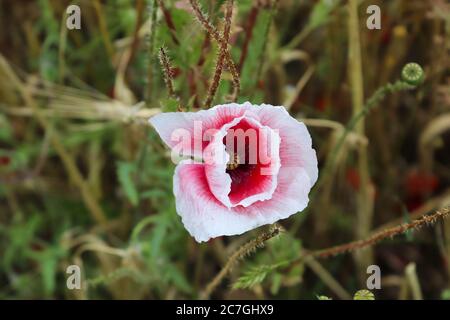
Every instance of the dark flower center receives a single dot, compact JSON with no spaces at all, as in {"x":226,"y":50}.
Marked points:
{"x":233,"y":163}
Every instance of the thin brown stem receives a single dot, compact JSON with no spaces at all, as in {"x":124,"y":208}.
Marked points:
{"x":248,"y":35}
{"x":378,"y":236}
{"x":242,"y":252}
{"x":222,"y":54}
{"x":369,"y":241}
{"x":151,"y":45}
{"x":104,"y":29}
{"x":205,"y":48}
{"x":327,"y":278}
{"x":135,"y":42}
{"x":169,"y":21}
{"x":214,"y":33}
{"x":167,"y":71}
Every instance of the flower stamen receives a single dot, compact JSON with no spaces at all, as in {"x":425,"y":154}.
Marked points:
{"x":233,"y":163}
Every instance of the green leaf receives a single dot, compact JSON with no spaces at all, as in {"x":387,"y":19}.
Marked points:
{"x":19,"y":236}
{"x":5,"y":129}
{"x":170,"y":105}
{"x":445,"y":295}
{"x":279,"y":252}
{"x":255,"y":54}
{"x":321,"y":12}
{"x":276,"y":283}
{"x":48,"y":260}
{"x":176,"y":277}
{"x":125,"y":170}
{"x":364,"y":295}
{"x":252,"y":277}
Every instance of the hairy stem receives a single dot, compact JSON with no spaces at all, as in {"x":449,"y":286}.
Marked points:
{"x":222,"y":54}
{"x":242,"y":252}
{"x":167,"y":71}
{"x":151,"y":46}
{"x":371,"y":103}
{"x":381,"y":235}
{"x":214,"y":34}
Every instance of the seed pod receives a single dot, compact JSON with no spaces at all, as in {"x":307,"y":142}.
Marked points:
{"x":413,"y":74}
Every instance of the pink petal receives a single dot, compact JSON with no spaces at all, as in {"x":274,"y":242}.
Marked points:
{"x":171,"y":125}
{"x":290,"y":196}
{"x":213,"y":202}
{"x":243,"y":187}
{"x":296,"y":143}
{"x":206,"y":217}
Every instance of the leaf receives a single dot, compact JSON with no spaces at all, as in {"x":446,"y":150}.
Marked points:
{"x":323,"y":298}
{"x":124,"y":173}
{"x":115,"y":275}
{"x":255,"y":54}
{"x":170,"y":105}
{"x":279,"y":253}
{"x":321,"y":12}
{"x":252,"y":277}
{"x":140,"y":226}
{"x":364,"y":295}
{"x":48,"y":261}
{"x":445,"y":295}
{"x":177,"y":278}
{"x":158,"y":235}
{"x":5,"y":129}
{"x":276,"y":283}
{"x":19,"y":236}
{"x":48,"y":60}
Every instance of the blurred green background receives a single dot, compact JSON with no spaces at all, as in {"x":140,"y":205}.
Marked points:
{"x":84,"y":180}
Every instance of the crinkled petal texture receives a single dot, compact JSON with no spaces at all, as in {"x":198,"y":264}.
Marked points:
{"x":257,"y":166}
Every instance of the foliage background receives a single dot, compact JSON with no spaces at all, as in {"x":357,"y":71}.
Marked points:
{"x":84,"y":180}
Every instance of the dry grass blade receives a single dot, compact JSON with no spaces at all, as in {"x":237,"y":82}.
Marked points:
{"x":434,"y":129}
{"x":71,"y":103}
{"x":69,"y":163}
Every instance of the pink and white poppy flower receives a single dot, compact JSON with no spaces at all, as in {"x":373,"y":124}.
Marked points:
{"x":244,"y":166}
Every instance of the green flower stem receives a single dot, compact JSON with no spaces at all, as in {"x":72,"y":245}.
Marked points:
{"x":371,"y":103}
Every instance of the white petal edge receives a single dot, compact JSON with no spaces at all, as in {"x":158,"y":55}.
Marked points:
{"x":167,"y":123}
{"x":296,"y":146}
{"x":205,"y":217}
{"x":219,"y":180}
{"x":296,"y":143}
